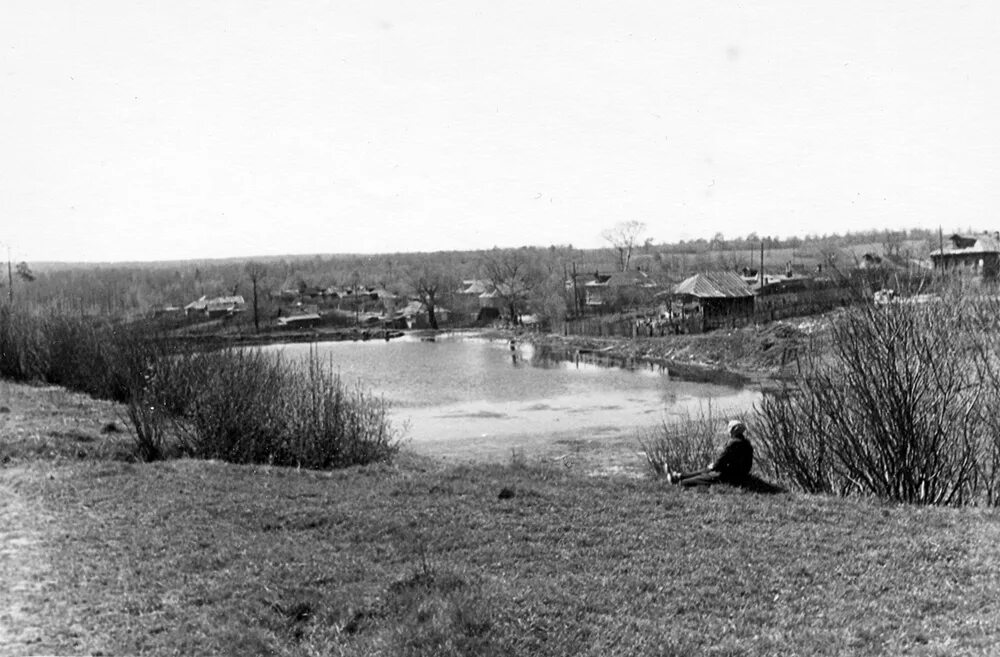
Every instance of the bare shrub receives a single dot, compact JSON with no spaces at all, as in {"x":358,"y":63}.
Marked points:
{"x":896,"y":410}
{"x":149,"y":430}
{"x":237,"y":405}
{"x":793,"y":446}
{"x":246,"y":406}
{"x":685,"y":443}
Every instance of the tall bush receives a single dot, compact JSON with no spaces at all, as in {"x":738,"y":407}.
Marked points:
{"x":23,"y":353}
{"x":248,"y":406}
{"x":243,"y":406}
{"x":101,"y":358}
{"x":898,"y":409}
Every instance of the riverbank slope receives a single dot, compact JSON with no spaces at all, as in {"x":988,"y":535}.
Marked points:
{"x":752,"y":354}
{"x":107,"y":556}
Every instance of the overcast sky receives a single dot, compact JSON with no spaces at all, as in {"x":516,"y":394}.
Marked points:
{"x":135,"y":130}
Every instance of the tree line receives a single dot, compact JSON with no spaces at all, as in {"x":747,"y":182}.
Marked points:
{"x":528,"y":279}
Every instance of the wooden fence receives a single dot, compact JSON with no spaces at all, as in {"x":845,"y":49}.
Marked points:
{"x":767,"y":308}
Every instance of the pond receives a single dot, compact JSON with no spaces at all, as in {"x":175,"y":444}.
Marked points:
{"x":468,"y":396}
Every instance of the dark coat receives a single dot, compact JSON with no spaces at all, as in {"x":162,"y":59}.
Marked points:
{"x":736,"y":459}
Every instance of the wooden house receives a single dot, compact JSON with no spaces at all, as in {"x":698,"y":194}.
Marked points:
{"x":606,"y":289}
{"x":975,"y":255}
{"x":718,"y":298}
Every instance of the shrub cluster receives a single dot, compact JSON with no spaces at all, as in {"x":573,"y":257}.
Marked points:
{"x":101,"y":358}
{"x":902,"y":408}
{"x":686,"y":443}
{"x":236,"y":405}
{"x":247,"y":406}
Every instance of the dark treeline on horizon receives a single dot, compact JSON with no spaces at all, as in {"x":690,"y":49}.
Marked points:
{"x":121,"y":288}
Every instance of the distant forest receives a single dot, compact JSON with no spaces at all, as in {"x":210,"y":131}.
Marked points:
{"x":135,"y":288}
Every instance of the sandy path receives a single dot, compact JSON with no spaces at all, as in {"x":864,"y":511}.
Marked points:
{"x":24,"y":570}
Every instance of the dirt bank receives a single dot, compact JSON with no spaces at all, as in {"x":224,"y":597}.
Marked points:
{"x":753,"y":354}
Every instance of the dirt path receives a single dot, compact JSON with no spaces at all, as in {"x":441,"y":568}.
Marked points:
{"x":24,"y":570}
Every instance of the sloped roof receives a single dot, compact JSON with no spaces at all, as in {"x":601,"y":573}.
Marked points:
{"x":200,"y":304}
{"x":983,"y":243}
{"x":631,"y":278}
{"x":474,"y":286}
{"x":225,"y":302}
{"x":228,"y":300}
{"x":306,"y":317}
{"x":722,"y":284}
{"x":416,"y":307}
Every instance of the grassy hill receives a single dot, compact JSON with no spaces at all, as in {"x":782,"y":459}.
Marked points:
{"x":424,"y":558}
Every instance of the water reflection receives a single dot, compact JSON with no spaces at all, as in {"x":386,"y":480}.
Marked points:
{"x":461,"y":387}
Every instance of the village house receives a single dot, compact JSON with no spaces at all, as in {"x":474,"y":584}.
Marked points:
{"x":717,"y":299}
{"x":416,"y":316}
{"x":608,"y":288}
{"x":474,"y":287}
{"x":216,"y":307}
{"x":478,"y":293}
{"x":225,"y":306}
{"x":976,"y":255}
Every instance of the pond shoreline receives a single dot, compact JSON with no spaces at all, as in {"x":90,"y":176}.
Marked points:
{"x":756,"y":356}
{"x":223,"y":340}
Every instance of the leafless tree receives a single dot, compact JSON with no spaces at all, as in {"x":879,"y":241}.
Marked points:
{"x":624,"y":237}
{"x":429,"y":281}
{"x":24,"y":272}
{"x":513,"y":275}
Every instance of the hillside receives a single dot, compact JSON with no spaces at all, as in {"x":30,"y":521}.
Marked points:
{"x":109,"y":557}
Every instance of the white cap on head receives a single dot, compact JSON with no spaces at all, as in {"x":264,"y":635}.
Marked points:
{"x":735,"y":426}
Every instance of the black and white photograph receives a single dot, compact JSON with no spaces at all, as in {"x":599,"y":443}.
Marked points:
{"x":467,"y":328}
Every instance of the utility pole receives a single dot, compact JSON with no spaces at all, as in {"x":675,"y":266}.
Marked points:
{"x":10,"y":279}
{"x":565,"y":278}
{"x":762,"y":264}
{"x":576,"y":292}
{"x":941,"y":251}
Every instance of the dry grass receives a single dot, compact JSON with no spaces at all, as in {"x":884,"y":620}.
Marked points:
{"x":203,"y":557}
{"x":48,"y":422}
{"x":199,"y":557}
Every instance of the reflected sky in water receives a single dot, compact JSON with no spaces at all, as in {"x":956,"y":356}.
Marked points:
{"x":464,"y":387}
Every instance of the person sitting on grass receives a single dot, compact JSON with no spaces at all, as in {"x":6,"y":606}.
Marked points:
{"x":732,"y":466}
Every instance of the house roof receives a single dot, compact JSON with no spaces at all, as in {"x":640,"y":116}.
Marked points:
{"x":415,"y":307}
{"x":722,"y":284}
{"x":215,"y":303}
{"x":474,"y":286}
{"x":291,"y":319}
{"x":969,"y":244}
{"x":200,"y":304}
{"x":621,"y":279}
